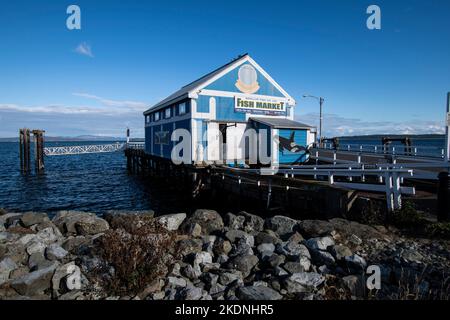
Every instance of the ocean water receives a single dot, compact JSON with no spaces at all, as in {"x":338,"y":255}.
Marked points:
{"x":89,"y":182}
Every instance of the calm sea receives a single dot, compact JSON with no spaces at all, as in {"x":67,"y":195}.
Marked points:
{"x":99,"y":182}
{"x":89,"y":182}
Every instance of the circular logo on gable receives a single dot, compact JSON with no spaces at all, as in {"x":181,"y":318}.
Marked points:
{"x":247,"y":79}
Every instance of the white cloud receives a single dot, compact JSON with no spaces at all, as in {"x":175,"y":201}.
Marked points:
{"x":334,"y":125}
{"x":135,"y":105}
{"x":84,"y":49}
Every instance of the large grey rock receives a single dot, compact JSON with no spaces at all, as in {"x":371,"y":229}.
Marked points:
{"x":281,"y":225}
{"x":83,"y":223}
{"x":192,"y":293}
{"x":29,"y":219}
{"x":356,"y":262}
{"x":171,"y":221}
{"x":253,"y":223}
{"x":191,"y":272}
{"x":293,"y":250}
{"x":72,"y":244}
{"x":339,"y":252}
{"x":7,"y":265}
{"x":62,"y":283}
{"x":202,"y":258}
{"x":267,"y":236}
{"x":267,"y":248}
{"x":9,"y":219}
{"x":49,"y":235}
{"x":209,"y":220}
{"x":258,"y":293}
{"x":274,"y":260}
{"x":303,"y":282}
{"x":176,"y":282}
{"x":234,"y":222}
{"x":320,"y":243}
{"x":35,"y":282}
{"x":322,"y":258}
{"x":37,"y":261}
{"x":234,"y":235}
{"x":222,"y":246}
{"x":55,"y":252}
{"x":315,"y":228}
{"x":296,"y":267}
{"x":244,"y":263}
{"x":225,"y":278}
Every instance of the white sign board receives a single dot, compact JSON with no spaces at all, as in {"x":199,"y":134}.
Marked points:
{"x":257,"y":105}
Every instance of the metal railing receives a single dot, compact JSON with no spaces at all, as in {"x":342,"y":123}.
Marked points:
{"x":83,"y":149}
{"x":416,"y":151}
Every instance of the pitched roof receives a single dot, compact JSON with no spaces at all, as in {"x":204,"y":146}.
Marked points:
{"x":281,"y":123}
{"x":184,"y":91}
{"x":187,"y":90}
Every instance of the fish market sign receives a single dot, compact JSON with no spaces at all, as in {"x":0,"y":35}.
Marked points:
{"x":265,"y":106}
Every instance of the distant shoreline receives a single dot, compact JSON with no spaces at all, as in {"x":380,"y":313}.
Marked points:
{"x":73,"y":139}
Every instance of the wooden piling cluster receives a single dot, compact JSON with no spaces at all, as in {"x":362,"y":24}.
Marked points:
{"x":302,"y":198}
{"x":24,"y":149}
{"x":25,"y":146}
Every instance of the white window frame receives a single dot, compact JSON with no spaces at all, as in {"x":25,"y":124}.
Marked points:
{"x":184,"y":108}
{"x":167,"y":113}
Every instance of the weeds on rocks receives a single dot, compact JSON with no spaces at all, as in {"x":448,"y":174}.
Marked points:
{"x":134,"y":254}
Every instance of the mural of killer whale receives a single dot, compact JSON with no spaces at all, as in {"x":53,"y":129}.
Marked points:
{"x":288,"y":148}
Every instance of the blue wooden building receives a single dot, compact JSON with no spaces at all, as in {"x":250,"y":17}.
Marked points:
{"x":235,"y":99}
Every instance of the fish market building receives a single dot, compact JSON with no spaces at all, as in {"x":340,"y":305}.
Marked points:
{"x":218,"y":111}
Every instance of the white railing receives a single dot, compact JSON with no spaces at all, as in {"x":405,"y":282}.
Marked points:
{"x":136,"y":145}
{"x":393,"y":177}
{"x":416,"y":151}
{"x":71,"y":150}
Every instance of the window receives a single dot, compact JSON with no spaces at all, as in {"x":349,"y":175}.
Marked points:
{"x":147,"y":119}
{"x":156,"y":116}
{"x":168,"y":113}
{"x":182,"y":108}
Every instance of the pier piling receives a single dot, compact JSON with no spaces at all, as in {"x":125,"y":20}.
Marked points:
{"x":24,"y":149}
{"x":39,"y":149}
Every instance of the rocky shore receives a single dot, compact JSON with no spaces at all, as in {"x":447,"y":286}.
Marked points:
{"x":204,"y":256}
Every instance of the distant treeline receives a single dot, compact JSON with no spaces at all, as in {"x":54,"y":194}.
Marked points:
{"x":379,"y":136}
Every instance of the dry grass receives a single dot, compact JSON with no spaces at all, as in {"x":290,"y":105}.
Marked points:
{"x":134,"y":254}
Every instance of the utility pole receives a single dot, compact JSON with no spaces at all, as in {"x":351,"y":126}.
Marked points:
{"x":321,"y":100}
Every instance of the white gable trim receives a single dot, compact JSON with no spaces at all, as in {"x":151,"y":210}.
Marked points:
{"x":195,"y":91}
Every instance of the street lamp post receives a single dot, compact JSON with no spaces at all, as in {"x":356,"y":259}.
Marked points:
{"x":321,"y":100}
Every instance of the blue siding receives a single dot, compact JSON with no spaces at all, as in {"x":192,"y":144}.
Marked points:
{"x":299,"y":139}
{"x":225,"y":110}
{"x":228,"y":83}
{"x":166,"y":148}
{"x":203,"y":104}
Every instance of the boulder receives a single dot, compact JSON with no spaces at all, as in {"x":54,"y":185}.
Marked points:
{"x":7,"y":265}
{"x":320,"y":243}
{"x":55,"y":252}
{"x":49,"y":235}
{"x":356,"y":262}
{"x":9,"y":219}
{"x":322,"y":258}
{"x":267,"y":236}
{"x":267,"y":248}
{"x":315,"y":228}
{"x":176,"y":282}
{"x":72,"y":244}
{"x":274,"y":260}
{"x":83,"y":223}
{"x":191,"y":293}
{"x":209,"y":220}
{"x":339,"y":252}
{"x":303,"y":282}
{"x":36,"y":247}
{"x":296,"y":267}
{"x":293,"y":250}
{"x":189,"y":246}
{"x":29,"y":219}
{"x":234,"y":222}
{"x":194,"y":230}
{"x":202,"y":258}
{"x":222,"y":246}
{"x":225,"y":278}
{"x":61,"y":283}
{"x":257,"y":293}
{"x":171,"y":222}
{"x":253,"y":223}
{"x":37,"y":261}
{"x":234,"y":235}
{"x":243,"y":263}
{"x":35,"y":282}
{"x":281,"y":225}
{"x":191,"y":272}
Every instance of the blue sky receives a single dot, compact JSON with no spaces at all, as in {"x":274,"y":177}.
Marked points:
{"x":131,"y":54}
